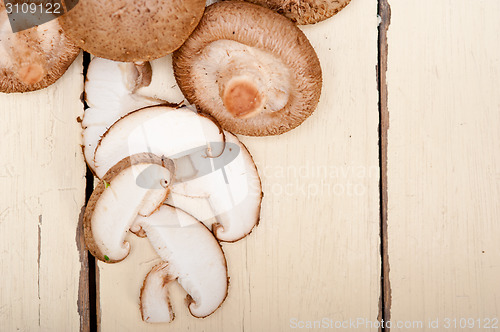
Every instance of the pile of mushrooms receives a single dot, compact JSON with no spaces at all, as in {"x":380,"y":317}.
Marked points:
{"x":167,"y":173}
{"x":172,"y":170}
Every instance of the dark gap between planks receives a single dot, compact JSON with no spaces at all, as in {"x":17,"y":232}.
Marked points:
{"x":89,"y":177}
{"x":384,"y":12}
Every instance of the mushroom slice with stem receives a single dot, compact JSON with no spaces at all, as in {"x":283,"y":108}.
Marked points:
{"x":113,"y":89}
{"x":35,"y":58}
{"x":304,"y":11}
{"x":109,"y":92}
{"x":232,"y":188}
{"x":130,"y":31}
{"x":192,"y":256}
{"x":137,"y":185}
{"x":162,"y":130}
{"x":250,"y":68}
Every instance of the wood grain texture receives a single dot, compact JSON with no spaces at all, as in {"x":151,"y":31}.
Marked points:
{"x":42,"y":193}
{"x":315,"y":253}
{"x":443,"y":160}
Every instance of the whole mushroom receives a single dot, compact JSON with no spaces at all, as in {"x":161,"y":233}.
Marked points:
{"x":304,"y":11}
{"x":131,"y":31}
{"x":250,"y":68}
{"x":35,"y":58}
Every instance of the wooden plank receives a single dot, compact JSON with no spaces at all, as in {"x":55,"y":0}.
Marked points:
{"x":315,"y":253}
{"x":42,"y":176}
{"x":443,"y":162}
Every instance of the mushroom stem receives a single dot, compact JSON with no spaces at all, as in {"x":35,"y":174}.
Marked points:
{"x":242,"y":97}
{"x":28,"y":59}
{"x":31,"y":73}
{"x":144,"y":74}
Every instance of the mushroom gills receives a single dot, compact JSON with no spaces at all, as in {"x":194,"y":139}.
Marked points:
{"x":248,"y":80}
{"x":162,"y":130}
{"x":33,"y":58}
{"x":250,"y":68}
{"x":232,"y":190}
{"x":191,"y":255}
{"x":131,"y":188}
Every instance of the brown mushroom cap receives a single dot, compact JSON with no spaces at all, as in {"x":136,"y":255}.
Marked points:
{"x":304,"y":11}
{"x":250,"y":68}
{"x":124,"y":30}
{"x":35,"y":58}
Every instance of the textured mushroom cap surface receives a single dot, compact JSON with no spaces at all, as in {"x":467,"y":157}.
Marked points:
{"x":194,"y":258}
{"x":137,"y":185}
{"x":130,"y":31}
{"x":304,"y":11}
{"x":34,"y":58}
{"x":243,"y":53}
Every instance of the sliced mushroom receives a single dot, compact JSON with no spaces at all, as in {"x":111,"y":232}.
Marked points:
{"x":162,"y":130}
{"x":250,"y":68}
{"x":304,"y":11}
{"x":113,"y":89}
{"x":110,"y":94}
{"x":163,"y":85}
{"x":35,"y":58}
{"x":137,"y":185}
{"x":132,"y":30}
{"x":191,"y":256}
{"x":232,"y":189}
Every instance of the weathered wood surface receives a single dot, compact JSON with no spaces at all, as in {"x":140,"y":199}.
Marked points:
{"x":315,"y":253}
{"x":42,"y":180}
{"x":444,"y":162}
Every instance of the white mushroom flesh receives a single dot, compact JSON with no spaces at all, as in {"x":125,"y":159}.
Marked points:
{"x":113,"y":89}
{"x":124,"y":198}
{"x":161,"y":130}
{"x":110,"y":94}
{"x":193,"y":257}
{"x":155,"y":304}
{"x":233,"y":191}
{"x":28,"y":51}
{"x":163,"y":85}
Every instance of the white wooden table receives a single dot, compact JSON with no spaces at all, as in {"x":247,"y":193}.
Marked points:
{"x":417,"y":202}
